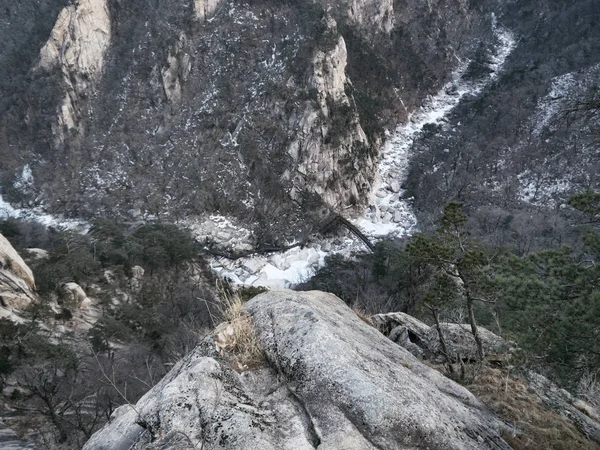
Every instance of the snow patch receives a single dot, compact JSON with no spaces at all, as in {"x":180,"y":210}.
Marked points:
{"x":40,"y":216}
{"x":274,"y":271}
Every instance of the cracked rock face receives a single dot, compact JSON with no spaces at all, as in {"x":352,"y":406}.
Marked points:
{"x":77,"y":46}
{"x":331,"y":382}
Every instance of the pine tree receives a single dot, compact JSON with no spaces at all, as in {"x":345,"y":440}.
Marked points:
{"x":460,"y":265}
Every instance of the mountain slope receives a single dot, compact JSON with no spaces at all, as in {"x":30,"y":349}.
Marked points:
{"x":174,"y":108}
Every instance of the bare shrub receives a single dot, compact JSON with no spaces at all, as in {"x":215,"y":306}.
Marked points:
{"x":589,"y":388}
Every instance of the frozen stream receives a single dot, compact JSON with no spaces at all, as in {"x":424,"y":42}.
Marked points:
{"x":389,"y":214}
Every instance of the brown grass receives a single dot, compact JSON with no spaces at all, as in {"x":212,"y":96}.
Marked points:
{"x":362,"y":315}
{"x":236,"y":337}
{"x":538,"y":426}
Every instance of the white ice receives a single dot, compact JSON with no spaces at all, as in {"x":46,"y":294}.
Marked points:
{"x":389,"y":214}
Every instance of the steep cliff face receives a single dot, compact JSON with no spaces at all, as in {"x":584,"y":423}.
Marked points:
{"x":17,"y":286}
{"x":327,"y":149}
{"x":260,"y":110}
{"x":77,"y":47}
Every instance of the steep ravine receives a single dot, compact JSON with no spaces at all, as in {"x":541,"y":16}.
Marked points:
{"x":266,"y":113}
{"x":389,"y":214}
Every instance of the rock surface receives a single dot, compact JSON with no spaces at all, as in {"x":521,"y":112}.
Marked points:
{"x":16,"y":280}
{"x":460,"y":341}
{"x":331,"y":382}
{"x":408,"y":331}
{"x":583,"y":415}
{"x":75,"y":295}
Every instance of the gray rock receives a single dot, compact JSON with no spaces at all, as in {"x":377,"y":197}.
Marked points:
{"x":401,"y":336}
{"x":459,"y":338}
{"x":331,"y":382}
{"x":120,"y":433}
{"x":417,"y":330}
{"x":395,"y":187}
{"x":460,"y":341}
{"x":583,"y":415}
{"x":360,"y":390}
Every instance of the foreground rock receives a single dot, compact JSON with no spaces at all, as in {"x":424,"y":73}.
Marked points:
{"x":330,"y":382}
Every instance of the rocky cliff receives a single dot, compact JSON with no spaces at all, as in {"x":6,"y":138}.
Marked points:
{"x":328,"y":381}
{"x":253,"y":109}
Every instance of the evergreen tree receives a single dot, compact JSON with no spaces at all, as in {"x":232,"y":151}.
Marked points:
{"x":460,"y":265}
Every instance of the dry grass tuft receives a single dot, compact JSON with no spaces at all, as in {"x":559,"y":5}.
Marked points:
{"x":540,"y":427}
{"x":362,"y":315}
{"x":236,"y":337}
{"x":589,"y":388}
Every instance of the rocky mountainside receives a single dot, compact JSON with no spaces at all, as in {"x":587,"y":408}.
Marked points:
{"x":517,"y":152}
{"x":255,"y":109}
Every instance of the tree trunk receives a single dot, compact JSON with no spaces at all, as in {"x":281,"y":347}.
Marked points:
{"x":441,"y":337}
{"x":474,"y":328}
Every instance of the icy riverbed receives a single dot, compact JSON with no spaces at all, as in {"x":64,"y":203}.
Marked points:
{"x":40,"y":216}
{"x":389,"y":213}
